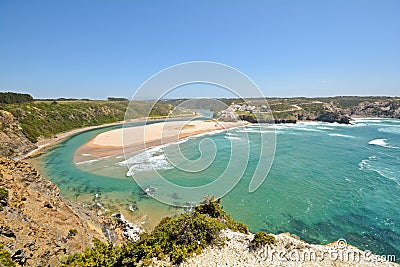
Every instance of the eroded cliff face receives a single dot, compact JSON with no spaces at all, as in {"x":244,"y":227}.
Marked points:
{"x":12,"y":140}
{"x":385,"y":109}
{"x":37,"y":226}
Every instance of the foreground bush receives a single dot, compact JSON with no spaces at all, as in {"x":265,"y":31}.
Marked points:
{"x":213,"y":208}
{"x":3,"y":197}
{"x":261,"y":239}
{"x":173,"y":239}
{"x":5,"y":258}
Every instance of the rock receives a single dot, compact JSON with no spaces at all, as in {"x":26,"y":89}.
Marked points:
{"x":35,"y":225}
{"x":333,"y":117}
{"x":19,"y":256}
{"x":48,"y":205}
{"x":6,"y":231}
{"x":237,"y":252}
{"x":12,"y":141}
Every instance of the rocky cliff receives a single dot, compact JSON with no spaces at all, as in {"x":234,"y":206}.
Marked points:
{"x":288,"y":250}
{"x":12,"y":139}
{"x":37,"y":226}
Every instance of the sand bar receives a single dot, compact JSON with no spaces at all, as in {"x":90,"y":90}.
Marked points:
{"x":138,"y":138}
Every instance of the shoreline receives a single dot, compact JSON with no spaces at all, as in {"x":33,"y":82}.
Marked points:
{"x":306,"y":122}
{"x":111,"y":143}
{"x":48,"y":142}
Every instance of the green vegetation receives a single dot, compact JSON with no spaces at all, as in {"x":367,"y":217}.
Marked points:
{"x":48,"y":118}
{"x":174,"y":239}
{"x":5,"y":257}
{"x":11,"y":98}
{"x":45,"y":119}
{"x":101,"y":254}
{"x":117,"y":99}
{"x":3,"y":197}
{"x":72,"y":233}
{"x":160,"y":109}
{"x":213,"y":208}
{"x":261,"y":239}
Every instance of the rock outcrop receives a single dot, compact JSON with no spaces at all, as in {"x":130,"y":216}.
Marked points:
{"x":333,"y":117}
{"x":37,"y":226}
{"x":287,"y":251}
{"x":384,"y":109}
{"x":12,"y":140}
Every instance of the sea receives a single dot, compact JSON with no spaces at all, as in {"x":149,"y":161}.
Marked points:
{"x":327,"y":181}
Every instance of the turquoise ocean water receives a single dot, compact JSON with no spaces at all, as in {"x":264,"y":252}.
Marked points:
{"x":328,"y":181}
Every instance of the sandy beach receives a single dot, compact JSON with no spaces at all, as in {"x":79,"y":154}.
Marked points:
{"x":138,"y":138}
{"x":47,"y":142}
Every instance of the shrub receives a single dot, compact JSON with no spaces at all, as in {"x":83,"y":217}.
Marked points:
{"x":177,"y":237}
{"x":3,"y":197}
{"x":101,"y":254}
{"x":213,"y":208}
{"x":174,"y":238}
{"x":72,"y":233}
{"x":5,"y":258}
{"x":261,"y":239}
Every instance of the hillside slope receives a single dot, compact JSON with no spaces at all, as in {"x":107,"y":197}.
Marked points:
{"x":22,"y":125}
{"x":37,"y":226}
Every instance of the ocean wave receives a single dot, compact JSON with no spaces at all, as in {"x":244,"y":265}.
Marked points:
{"x":341,"y":135}
{"x":366,"y":120}
{"x":372,"y":164}
{"x":325,"y":128}
{"x":253,"y":131}
{"x":381,"y":142}
{"x":87,"y":161}
{"x":309,"y":129}
{"x":232,"y":138}
{"x":152,"y":159}
{"x":391,"y":129}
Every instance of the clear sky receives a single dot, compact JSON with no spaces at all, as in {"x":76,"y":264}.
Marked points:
{"x":96,"y":48}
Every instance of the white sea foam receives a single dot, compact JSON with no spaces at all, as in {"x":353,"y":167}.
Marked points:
{"x":341,"y":135}
{"x":325,"y":128}
{"x":309,"y":129}
{"x":151,"y":159}
{"x":366,"y":120}
{"x":87,"y":161}
{"x":252,"y":131}
{"x":372,"y":164}
{"x":232,"y":137}
{"x":391,"y":129}
{"x":381,"y":142}
{"x":146,"y":161}
{"x":91,"y":161}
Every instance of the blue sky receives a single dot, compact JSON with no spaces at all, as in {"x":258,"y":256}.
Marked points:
{"x":96,"y":48}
